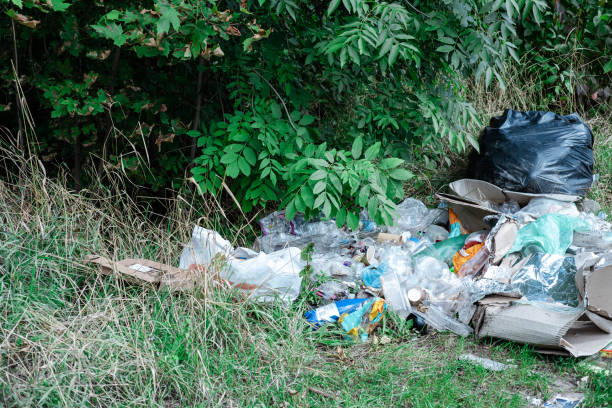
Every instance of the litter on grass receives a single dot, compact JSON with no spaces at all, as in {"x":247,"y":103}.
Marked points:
{"x":521,"y":260}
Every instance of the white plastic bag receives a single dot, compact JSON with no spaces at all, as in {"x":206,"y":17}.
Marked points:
{"x":264,"y":276}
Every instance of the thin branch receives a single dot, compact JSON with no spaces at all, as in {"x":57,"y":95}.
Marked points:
{"x":280,"y":98}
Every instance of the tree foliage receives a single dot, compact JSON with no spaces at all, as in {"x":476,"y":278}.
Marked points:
{"x":317,"y":105}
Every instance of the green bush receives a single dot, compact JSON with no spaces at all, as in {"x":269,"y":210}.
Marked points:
{"x":266,"y":98}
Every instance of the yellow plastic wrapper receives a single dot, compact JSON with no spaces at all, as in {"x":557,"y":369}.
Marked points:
{"x":464,"y":255}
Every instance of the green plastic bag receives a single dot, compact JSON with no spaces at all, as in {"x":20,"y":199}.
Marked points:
{"x":551,"y":233}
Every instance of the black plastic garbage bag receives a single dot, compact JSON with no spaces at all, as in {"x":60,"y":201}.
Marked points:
{"x":536,"y":152}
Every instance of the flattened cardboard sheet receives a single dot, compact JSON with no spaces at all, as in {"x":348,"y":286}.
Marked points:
{"x":144,"y":271}
{"x":554,"y":328}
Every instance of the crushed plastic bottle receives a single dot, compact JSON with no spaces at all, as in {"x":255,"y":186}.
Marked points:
{"x":444,"y":250}
{"x":360,"y":323}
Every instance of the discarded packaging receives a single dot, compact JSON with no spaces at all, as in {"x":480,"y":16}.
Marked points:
{"x":331,"y":313}
{"x":360,"y":323}
{"x":334,"y":290}
{"x":552,"y":328}
{"x":264,"y":277}
{"x":572,"y":400}
{"x":472,"y":200}
{"x":144,"y":271}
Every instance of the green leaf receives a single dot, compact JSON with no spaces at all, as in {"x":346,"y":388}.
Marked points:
{"x":340,"y":217}
{"x":401,"y":174}
{"x":336,"y":182}
{"x":393,"y":54}
{"x":244,"y":166}
{"x":357,"y":147}
{"x":229,"y":158}
{"x":372,"y":151}
{"x":385,"y":47}
{"x":249,"y":155}
{"x":608,"y":67}
{"x":306,"y":120}
{"x":290,"y":211}
{"x":60,"y":5}
{"x":168,"y":16}
{"x":364,"y":195}
{"x":112,"y":15}
{"x":333,"y":5}
{"x":391,"y":163}
{"x":232,"y":170}
{"x":299,"y":204}
{"x":352,"y":220}
{"x":308,"y":196}
{"x":320,"y":186}
{"x":318,"y":175}
{"x":319,"y":201}
{"x":276,"y":110}
{"x":445,"y":48}
{"x":327,"y":208}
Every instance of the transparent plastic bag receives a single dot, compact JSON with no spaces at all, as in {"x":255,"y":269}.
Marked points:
{"x":435,"y":233}
{"x":542,"y":205}
{"x":414,"y":216}
{"x":334,"y":265}
{"x":547,"y":278}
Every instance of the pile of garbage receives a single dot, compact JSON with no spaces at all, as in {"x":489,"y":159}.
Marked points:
{"x":526,"y":259}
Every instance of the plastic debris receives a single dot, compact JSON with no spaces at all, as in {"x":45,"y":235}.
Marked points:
{"x":360,"y":323}
{"x":472,"y":245}
{"x":536,"y":152}
{"x":371,"y":275}
{"x":543,"y":205}
{"x":571,"y":400}
{"x":551,"y":233}
{"x":547,"y":278}
{"x":486,"y":362}
{"x":334,"y":290}
{"x":331,"y":313}
{"x":536,"y":274}
{"x":264,"y":277}
{"x":444,"y":250}
{"x":414,"y":216}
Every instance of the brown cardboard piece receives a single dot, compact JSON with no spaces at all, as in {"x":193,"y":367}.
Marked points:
{"x":553,"y":329}
{"x":144,"y":271}
{"x":595,"y":284}
{"x":468,"y":196}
